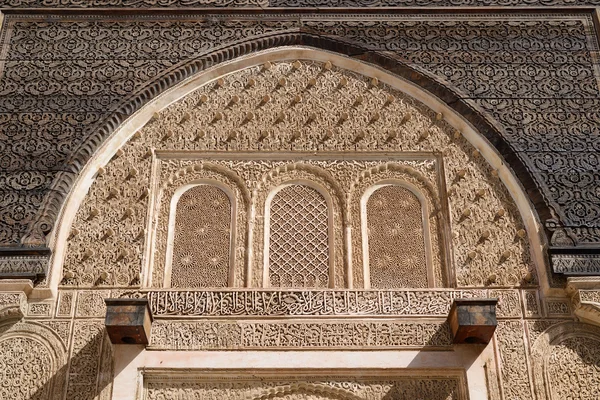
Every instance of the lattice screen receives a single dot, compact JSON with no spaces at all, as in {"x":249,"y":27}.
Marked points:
{"x":299,"y":238}
{"x":396,"y":239}
{"x":202,"y":240}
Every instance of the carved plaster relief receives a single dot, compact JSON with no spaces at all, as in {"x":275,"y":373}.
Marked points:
{"x":175,"y":175}
{"x":425,"y":183}
{"x":395,"y":236}
{"x":32,"y":365}
{"x":553,"y":144}
{"x":243,"y":335}
{"x":298,"y":237}
{"x":514,"y":361}
{"x":327,"y":387}
{"x":202,"y":235}
{"x":318,"y":303}
{"x":567,"y":362}
{"x":297,"y":106}
{"x":335,"y":173}
{"x":13,"y":305}
{"x":87,"y":360}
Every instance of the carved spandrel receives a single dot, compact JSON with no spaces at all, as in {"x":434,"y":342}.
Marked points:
{"x":561,"y":53}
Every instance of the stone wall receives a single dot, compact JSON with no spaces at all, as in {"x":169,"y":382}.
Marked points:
{"x":527,"y":82}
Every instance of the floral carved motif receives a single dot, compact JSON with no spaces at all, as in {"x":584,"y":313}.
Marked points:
{"x":85,"y":359}
{"x":566,"y":361}
{"x":32,"y":364}
{"x":202,"y":238}
{"x":396,"y":239}
{"x":25,"y":368}
{"x":514,"y":370}
{"x":175,"y":174}
{"x":279,"y":109}
{"x":527,"y":99}
{"x":309,"y":388}
{"x":574,"y":369}
{"x":241,"y":335}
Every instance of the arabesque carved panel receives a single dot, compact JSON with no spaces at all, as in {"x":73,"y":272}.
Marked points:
{"x":202,"y":238}
{"x":574,"y":369}
{"x":533,"y":75}
{"x":396,"y":239}
{"x":303,"y":387}
{"x":243,"y":335}
{"x":277,"y":108}
{"x":25,"y":369}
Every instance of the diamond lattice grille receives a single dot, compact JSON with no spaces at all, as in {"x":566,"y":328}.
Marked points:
{"x":299,"y":238}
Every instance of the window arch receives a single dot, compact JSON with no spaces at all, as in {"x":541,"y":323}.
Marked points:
{"x":396,"y":242}
{"x":201,"y":233}
{"x":298,"y":237}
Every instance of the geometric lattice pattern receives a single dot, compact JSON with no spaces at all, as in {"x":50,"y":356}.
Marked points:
{"x":299,"y":238}
{"x":396,"y":242}
{"x":202,"y":239}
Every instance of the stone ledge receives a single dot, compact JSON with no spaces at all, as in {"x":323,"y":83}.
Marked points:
{"x":575,"y":262}
{"x":585,"y":298}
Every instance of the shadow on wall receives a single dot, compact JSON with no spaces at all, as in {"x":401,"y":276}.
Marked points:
{"x":88,"y":373}
{"x":421,"y":389}
{"x":445,"y":387}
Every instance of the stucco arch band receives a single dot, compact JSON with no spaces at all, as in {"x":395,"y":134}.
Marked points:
{"x":127,"y":129}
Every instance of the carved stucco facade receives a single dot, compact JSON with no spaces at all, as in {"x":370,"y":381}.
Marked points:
{"x":484,"y":127}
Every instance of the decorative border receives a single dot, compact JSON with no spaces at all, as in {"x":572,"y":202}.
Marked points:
{"x":321,"y":303}
{"x":330,"y":335}
{"x":266,"y":4}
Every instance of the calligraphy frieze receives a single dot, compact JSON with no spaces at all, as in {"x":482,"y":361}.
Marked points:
{"x":316,"y":303}
{"x":240,"y":335}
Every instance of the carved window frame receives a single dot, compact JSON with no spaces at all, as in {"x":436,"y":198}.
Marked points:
{"x":425,"y":214}
{"x":267,"y":227}
{"x":171,"y":227}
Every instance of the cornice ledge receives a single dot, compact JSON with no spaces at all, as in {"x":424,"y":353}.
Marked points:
{"x":585,"y":297}
{"x":13,"y":304}
{"x":575,"y":261}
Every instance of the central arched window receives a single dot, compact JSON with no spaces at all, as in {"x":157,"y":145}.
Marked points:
{"x":298,"y":238}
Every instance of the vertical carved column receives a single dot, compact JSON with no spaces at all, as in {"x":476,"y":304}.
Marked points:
{"x":516,"y":384}
{"x":85,"y":360}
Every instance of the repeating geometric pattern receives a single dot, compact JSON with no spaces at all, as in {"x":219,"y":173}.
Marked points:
{"x":64,"y":79}
{"x":287,"y":3}
{"x":299,"y":238}
{"x":396,"y":239}
{"x":202,"y":238}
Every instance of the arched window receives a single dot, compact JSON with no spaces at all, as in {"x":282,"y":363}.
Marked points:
{"x":202,"y":238}
{"x":298,"y":237}
{"x":394,"y":238}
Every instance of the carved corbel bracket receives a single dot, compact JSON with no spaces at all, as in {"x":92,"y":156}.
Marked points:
{"x":585,"y":297}
{"x":12,"y":304}
{"x":473,"y":321}
{"x":128,"y":321}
